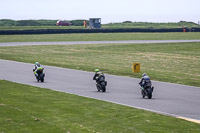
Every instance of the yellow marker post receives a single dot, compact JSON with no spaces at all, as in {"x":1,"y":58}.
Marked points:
{"x":136,"y":67}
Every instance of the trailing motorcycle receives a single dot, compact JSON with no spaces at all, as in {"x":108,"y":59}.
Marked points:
{"x":39,"y":74}
{"x":146,"y":86}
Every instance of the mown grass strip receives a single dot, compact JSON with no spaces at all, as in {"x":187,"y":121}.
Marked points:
{"x":170,"y":62}
{"x":99,"y":37}
{"x":26,"y":108}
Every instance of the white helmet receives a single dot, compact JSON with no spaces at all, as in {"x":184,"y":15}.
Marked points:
{"x":144,"y":74}
{"x":37,"y":64}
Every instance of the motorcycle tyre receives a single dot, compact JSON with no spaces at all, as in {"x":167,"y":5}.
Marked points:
{"x":37,"y":79}
{"x":103,"y":85}
{"x":98,"y":87}
{"x":104,"y":89}
{"x":149,"y":95}
{"x":142,"y":92}
{"x":42,"y":79}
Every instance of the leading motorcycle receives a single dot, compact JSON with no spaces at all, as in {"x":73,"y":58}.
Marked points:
{"x":39,"y":74}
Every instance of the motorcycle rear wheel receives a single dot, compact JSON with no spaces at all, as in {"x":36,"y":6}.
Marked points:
{"x":150,"y":95}
{"x":142,"y":92}
{"x":104,"y":89}
{"x":103,"y":86}
{"x":98,"y":87}
{"x":37,"y":79}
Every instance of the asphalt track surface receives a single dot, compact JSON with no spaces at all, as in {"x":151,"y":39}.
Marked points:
{"x":169,"y":99}
{"x":92,"y":42}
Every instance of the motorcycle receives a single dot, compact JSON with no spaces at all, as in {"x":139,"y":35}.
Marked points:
{"x":39,"y":74}
{"x":101,"y":84}
{"x":147,"y":91}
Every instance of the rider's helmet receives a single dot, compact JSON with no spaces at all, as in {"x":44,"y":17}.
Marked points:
{"x":37,"y":64}
{"x":144,"y":74}
{"x":96,"y":70}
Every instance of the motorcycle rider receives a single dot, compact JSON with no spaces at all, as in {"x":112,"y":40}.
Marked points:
{"x":145,"y":81}
{"x":99,"y":76}
{"x":35,"y":68}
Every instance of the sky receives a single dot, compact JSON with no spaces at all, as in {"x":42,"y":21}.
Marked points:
{"x":109,"y":11}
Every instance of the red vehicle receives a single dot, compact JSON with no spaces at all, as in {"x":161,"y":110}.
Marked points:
{"x":63,"y":23}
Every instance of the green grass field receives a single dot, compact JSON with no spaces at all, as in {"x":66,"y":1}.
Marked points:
{"x":31,"y":109}
{"x":170,"y":62}
{"x":28,"y":109}
{"x":99,"y":37}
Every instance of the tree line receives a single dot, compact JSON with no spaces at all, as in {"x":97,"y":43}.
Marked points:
{"x":10,"y":22}
{"x":43,"y":22}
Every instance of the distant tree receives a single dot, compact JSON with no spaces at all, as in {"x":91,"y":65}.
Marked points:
{"x":78,"y":22}
{"x":127,"y":22}
{"x":44,"y":22}
{"x":27,"y":23}
{"x":7,"y":22}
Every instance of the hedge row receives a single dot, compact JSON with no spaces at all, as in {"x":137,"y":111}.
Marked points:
{"x":61,"y":31}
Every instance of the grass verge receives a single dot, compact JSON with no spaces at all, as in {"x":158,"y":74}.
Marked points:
{"x":99,"y":37}
{"x":26,"y":108}
{"x":169,"y":62}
